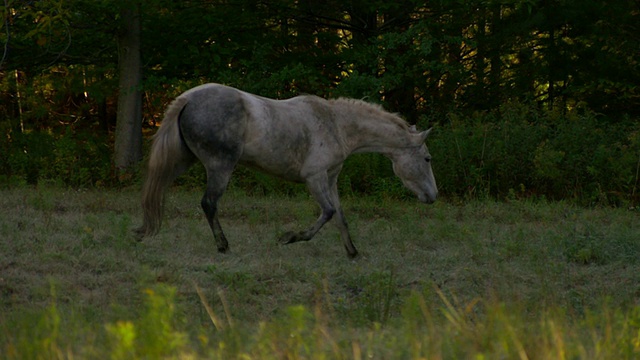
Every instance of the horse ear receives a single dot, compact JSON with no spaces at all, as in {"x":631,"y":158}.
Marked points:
{"x":426,"y":133}
{"x":420,"y":138}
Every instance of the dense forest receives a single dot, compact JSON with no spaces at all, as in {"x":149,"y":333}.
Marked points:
{"x":529,"y":98}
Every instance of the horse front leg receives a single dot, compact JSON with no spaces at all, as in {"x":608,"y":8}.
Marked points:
{"x":341,"y":224}
{"x":324,"y":189}
{"x":319,"y":187}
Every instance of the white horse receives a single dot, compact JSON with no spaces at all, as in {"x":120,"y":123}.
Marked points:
{"x":303,"y":139}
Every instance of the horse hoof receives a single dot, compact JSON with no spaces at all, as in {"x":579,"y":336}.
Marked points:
{"x":288,"y":238}
{"x":223,"y":250}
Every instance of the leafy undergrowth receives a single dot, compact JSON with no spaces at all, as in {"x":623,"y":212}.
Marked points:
{"x":478,"y":280}
{"x":447,"y":330}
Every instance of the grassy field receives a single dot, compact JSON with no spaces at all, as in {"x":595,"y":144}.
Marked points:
{"x":480,"y":280}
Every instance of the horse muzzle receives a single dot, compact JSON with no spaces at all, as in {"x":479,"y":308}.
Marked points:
{"x":428,"y":198}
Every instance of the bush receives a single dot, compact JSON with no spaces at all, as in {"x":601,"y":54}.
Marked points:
{"x":25,"y":156}
{"x":68,"y":159}
{"x":520,"y":152}
{"x":515,"y":151}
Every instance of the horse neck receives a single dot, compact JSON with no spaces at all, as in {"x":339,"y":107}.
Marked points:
{"x":367,"y":135}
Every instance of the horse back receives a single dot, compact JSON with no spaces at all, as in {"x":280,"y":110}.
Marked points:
{"x":289,"y":138}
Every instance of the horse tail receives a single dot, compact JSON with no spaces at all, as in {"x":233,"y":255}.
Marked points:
{"x":169,"y":157}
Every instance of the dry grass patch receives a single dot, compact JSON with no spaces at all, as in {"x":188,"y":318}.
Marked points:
{"x":509,"y":279}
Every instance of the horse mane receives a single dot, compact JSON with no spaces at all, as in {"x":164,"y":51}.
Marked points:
{"x":372,"y":108}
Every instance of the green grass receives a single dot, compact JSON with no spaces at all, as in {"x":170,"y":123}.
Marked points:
{"x":479,"y":280}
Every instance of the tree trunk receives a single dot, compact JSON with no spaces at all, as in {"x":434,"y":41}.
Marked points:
{"x":128,"y":141}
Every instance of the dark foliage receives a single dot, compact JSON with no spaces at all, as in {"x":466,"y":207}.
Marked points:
{"x":530,"y":98}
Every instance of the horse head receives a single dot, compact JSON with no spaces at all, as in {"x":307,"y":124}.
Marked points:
{"x":412,"y":164}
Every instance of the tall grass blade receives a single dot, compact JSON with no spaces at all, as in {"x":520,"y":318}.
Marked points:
{"x":219,"y":325}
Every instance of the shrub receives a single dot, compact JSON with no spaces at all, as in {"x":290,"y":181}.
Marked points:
{"x":25,"y":156}
{"x":517,"y":151}
{"x":68,"y":159}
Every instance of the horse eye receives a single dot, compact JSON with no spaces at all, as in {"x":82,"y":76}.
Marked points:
{"x":427,"y":159}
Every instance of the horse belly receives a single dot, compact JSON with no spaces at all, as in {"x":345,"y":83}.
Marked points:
{"x":283,"y":156}
{"x":284,"y":166}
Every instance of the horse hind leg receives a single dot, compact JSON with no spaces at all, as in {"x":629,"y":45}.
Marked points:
{"x":217,"y":181}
